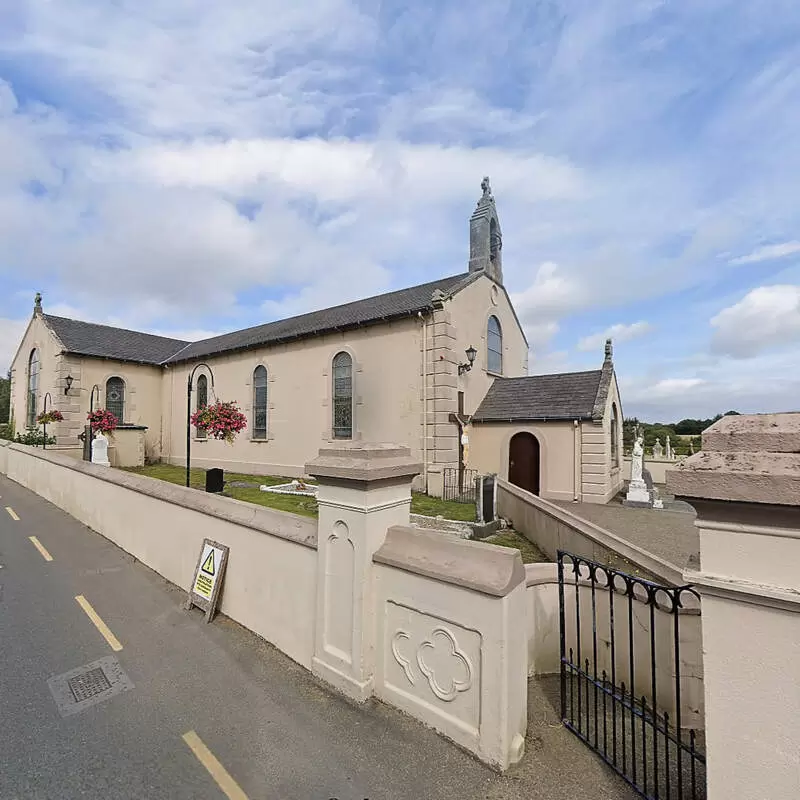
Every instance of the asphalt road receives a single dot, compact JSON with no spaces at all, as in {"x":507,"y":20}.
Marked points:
{"x":210,"y":711}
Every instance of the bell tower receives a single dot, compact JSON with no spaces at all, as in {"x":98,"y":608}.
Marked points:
{"x":485,"y":237}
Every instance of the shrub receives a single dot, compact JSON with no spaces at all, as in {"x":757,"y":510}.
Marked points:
{"x":7,"y":431}
{"x":33,"y":437}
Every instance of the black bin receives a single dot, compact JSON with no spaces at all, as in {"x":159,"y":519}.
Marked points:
{"x":214,"y":480}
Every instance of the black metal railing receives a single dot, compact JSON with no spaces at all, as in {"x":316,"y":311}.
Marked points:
{"x":631,"y":714}
{"x":460,"y":485}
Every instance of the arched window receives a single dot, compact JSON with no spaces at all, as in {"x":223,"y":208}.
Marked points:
{"x":614,"y":436}
{"x":115,"y":398}
{"x":494,"y":346}
{"x":342,"y":396}
{"x":260,"y":403}
{"x":202,"y":401}
{"x":33,"y":388}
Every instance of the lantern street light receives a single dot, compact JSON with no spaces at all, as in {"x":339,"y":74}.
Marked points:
{"x":471,"y":353}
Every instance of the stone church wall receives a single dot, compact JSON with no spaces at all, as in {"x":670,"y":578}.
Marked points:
{"x":386,"y":395}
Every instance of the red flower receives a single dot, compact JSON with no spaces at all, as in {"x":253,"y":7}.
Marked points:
{"x":222,"y":420}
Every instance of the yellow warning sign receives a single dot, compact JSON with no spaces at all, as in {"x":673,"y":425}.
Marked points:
{"x":203,"y":586}
{"x":208,"y":572}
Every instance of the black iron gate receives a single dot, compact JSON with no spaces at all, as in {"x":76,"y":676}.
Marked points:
{"x":630,"y":713}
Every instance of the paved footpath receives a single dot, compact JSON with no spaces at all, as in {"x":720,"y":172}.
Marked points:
{"x":189,"y":710}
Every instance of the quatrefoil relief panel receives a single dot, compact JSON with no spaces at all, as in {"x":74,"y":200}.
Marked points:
{"x":447,"y":667}
{"x":431,"y":655}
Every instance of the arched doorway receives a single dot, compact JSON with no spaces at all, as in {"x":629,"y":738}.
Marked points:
{"x":523,"y":462}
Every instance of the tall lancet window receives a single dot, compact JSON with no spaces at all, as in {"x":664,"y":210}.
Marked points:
{"x":260,"y":403}
{"x":494,"y":346}
{"x":33,"y":389}
{"x":202,"y":401}
{"x":342,"y":396}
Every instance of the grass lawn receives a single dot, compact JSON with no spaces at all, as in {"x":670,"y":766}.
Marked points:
{"x":435,"y":507}
{"x":306,"y":506}
{"x":531,"y":554}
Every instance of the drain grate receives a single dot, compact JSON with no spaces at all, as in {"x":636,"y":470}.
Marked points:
{"x":88,"y":684}
{"x":85,"y":686}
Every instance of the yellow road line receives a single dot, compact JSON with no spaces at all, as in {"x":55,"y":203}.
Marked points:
{"x":223,"y":778}
{"x":12,"y":514}
{"x":98,"y":623}
{"x":41,"y":548}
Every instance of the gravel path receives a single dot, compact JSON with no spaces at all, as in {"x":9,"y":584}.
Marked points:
{"x":671,"y":535}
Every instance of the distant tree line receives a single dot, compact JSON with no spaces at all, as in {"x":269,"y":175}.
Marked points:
{"x":5,"y":399}
{"x":688,"y":428}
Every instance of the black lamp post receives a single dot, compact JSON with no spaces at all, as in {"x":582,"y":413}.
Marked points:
{"x":44,"y":411}
{"x":87,"y":430}
{"x":189,"y":414}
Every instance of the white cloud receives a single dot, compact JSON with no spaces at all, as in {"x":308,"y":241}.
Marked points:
{"x":768,"y":253}
{"x":765,"y":317}
{"x":617,"y":333}
{"x":11,"y":331}
{"x":552,"y":294}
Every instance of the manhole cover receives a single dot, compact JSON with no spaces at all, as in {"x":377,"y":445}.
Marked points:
{"x":88,"y":684}
{"x":85,"y":686}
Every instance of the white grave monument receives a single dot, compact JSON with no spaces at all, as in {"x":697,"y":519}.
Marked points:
{"x":638,"y":493}
{"x":670,"y":454}
{"x":658,"y":449}
{"x":100,"y":450}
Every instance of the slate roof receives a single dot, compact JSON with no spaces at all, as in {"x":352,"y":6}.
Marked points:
{"x":103,"y":341}
{"x":568,"y":395}
{"x":372,"y":310}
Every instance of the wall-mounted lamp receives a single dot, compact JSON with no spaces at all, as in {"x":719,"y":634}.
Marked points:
{"x":471,"y":353}
{"x":68,"y":381}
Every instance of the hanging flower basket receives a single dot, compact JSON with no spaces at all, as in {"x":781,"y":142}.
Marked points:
{"x":220,"y":420}
{"x":102,"y":421}
{"x":48,"y":417}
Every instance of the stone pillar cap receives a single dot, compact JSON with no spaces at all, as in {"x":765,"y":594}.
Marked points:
{"x":364,"y":461}
{"x":770,"y":433}
{"x":753,"y":458}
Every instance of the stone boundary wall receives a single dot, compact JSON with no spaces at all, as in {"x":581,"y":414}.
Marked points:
{"x":426,"y":621}
{"x":552,"y":528}
{"x":657,"y":467}
{"x":270,"y":585}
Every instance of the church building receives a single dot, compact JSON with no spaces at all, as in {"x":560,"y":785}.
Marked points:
{"x":440,"y":367}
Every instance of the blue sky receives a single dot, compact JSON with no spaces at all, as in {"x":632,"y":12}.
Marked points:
{"x":194,"y":167}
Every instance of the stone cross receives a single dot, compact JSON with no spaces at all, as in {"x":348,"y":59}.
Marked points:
{"x":658,"y":450}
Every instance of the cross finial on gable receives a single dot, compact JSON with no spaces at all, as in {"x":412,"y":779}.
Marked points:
{"x":37,"y":303}
{"x":609,"y":350}
{"x":487,"y":189}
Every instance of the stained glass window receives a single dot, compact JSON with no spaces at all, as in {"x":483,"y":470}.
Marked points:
{"x":33,"y":388}
{"x":115,"y":398}
{"x":260,"y":403}
{"x":202,"y":401}
{"x":342,"y":396}
{"x":494,"y":346}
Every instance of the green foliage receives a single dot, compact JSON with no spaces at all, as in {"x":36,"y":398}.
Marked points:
{"x":33,"y":437}
{"x":7,"y":431}
{"x":5,"y":400}
{"x":684,"y":435}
